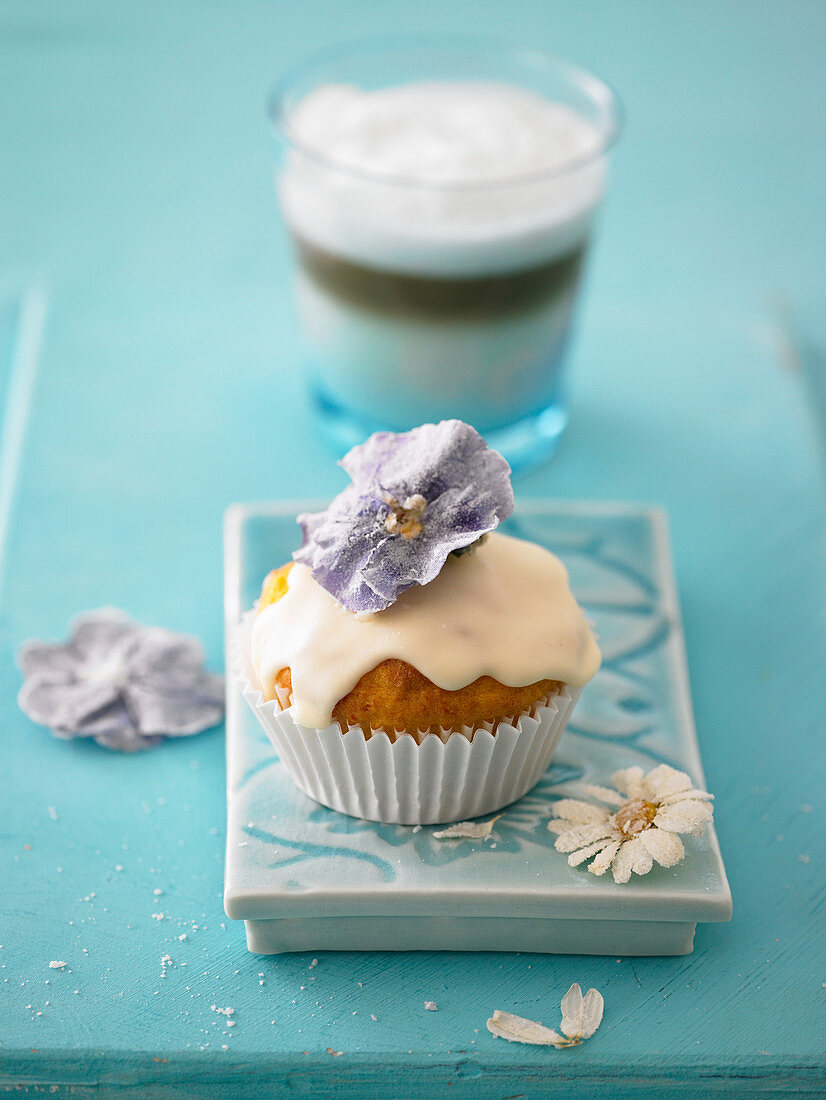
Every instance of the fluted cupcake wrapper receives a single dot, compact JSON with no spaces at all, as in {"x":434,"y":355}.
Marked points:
{"x":429,"y":779}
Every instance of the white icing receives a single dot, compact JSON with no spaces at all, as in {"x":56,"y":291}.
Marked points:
{"x":505,"y":610}
{"x":441,"y":177}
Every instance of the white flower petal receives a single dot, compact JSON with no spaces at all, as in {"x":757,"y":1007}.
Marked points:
{"x":581,"y":1016}
{"x":665,"y":847}
{"x":703,"y":796}
{"x":572,"y":1012}
{"x":575,"y":858}
{"x":621,"y":872}
{"x":689,"y":816}
{"x":629,"y":781}
{"x":605,"y":858}
{"x":468,"y":830}
{"x":604,"y":794}
{"x":593,"y":1008}
{"x":663,"y":781}
{"x":632,"y":857}
{"x":516,"y":1029}
{"x":579,"y":812}
{"x":581,"y":835}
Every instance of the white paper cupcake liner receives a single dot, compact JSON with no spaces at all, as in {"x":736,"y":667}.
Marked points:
{"x":429,"y":779}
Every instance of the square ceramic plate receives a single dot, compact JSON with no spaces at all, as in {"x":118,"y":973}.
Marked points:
{"x":303,"y":877}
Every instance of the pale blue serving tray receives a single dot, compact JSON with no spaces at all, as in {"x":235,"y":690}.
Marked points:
{"x":303,"y":877}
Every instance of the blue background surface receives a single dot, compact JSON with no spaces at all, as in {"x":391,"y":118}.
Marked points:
{"x":163,"y":384}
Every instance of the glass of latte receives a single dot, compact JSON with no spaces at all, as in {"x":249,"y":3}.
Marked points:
{"x":440,"y":196}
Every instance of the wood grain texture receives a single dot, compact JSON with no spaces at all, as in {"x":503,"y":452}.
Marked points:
{"x":138,"y":185}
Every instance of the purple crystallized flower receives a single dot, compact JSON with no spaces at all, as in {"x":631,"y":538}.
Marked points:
{"x":125,"y":685}
{"x":414,"y":499}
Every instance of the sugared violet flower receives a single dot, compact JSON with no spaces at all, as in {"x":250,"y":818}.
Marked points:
{"x":125,"y":685}
{"x":415,"y":498}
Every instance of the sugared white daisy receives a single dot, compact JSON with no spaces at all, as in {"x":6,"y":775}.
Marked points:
{"x":636,"y":827}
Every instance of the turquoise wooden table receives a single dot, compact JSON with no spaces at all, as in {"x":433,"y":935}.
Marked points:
{"x":149,"y":378}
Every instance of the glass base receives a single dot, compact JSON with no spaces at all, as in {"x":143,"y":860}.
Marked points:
{"x":526,"y":444}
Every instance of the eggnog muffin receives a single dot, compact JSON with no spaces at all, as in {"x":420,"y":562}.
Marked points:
{"x":414,"y":664}
{"x":394,"y":696}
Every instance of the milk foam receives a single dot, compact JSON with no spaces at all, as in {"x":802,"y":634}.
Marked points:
{"x":441,"y":178}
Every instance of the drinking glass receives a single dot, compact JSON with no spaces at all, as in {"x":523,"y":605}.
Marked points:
{"x":422,"y":299}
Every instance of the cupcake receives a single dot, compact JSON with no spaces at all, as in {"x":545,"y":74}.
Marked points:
{"x":413,"y":664}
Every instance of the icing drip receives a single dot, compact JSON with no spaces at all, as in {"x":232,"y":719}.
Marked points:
{"x":504,"y":611}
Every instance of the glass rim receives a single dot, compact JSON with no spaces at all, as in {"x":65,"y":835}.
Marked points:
{"x":594,"y":87}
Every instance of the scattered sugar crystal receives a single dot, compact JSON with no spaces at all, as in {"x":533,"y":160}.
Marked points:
{"x":431,"y":1006}
{"x":57,"y":964}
